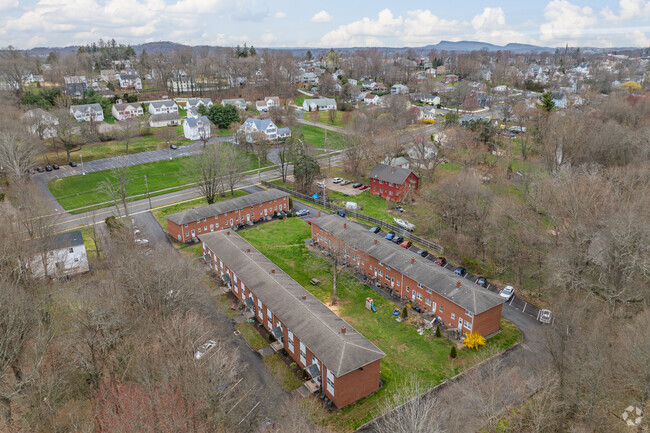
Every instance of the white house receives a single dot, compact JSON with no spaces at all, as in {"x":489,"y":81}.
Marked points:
{"x":65,"y":254}
{"x":321,"y":104}
{"x":87,"y":112}
{"x":254,"y":126}
{"x":368,"y":85}
{"x":560,"y":100}
{"x":130,"y":80}
{"x":196,"y":128}
{"x":108,"y":75}
{"x":168,"y":106}
{"x":164,"y":119}
{"x":399,"y":89}
{"x":182,"y":84}
{"x":41,"y":123}
{"x":430,"y":99}
{"x":272,"y":102}
{"x":127,"y":111}
{"x":240,"y":103}
{"x":372,"y":99}
{"x":195,"y":103}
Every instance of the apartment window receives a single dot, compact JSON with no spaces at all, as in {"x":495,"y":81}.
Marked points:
{"x":205,"y":228}
{"x":187,"y":233}
{"x":390,"y":192}
{"x":290,"y":338}
{"x":397,"y":283}
{"x":468,"y":325}
{"x":441,"y":309}
{"x":427,"y":301}
{"x":408,"y":289}
{"x":453,"y":316}
{"x":419,"y":296}
{"x":199,"y":229}
{"x":419,"y":286}
{"x":468,"y":313}
{"x":381,"y":274}
{"x":380,"y":190}
{"x":387,"y":277}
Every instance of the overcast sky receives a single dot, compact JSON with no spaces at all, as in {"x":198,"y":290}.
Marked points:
{"x":335,"y":23}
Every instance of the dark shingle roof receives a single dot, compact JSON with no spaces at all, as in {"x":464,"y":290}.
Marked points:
{"x":388,"y":173}
{"x":310,"y":320}
{"x":62,"y":240}
{"x":470,"y":296}
{"x":225,"y":206}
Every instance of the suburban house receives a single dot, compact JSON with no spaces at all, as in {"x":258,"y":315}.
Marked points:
{"x":75,"y":85}
{"x":430,"y":99}
{"x":164,"y":119}
{"x":560,"y":100}
{"x":320,"y":104}
{"x":41,"y":123}
{"x":454,"y":301}
{"x":127,"y":111}
{"x":165,"y":106}
{"x":272,"y":102}
{"x":368,"y":85}
{"x":130,"y":80}
{"x":392,"y":182}
{"x":399,"y":89}
{"x":261,"y":106}
{"x":450,"y":79}
{"x":108,"y":75}
{"x":240,"y":103}
{"x":342,"y":362}
{"x":254,"y":126}
{"x":196,"y":128}
{"x":187,"y":225}
{"x":64,"y":254}
{"x":195,"y":103}
{"x":87,"y":112}
{"x":371,"y":99}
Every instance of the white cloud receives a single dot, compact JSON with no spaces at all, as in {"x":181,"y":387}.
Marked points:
{"x":566,"y":22}
{"x":490,"y":26}
{"x":627,"y":9}
{"x":279,"y":14}
{"x":8,"y":4}
{"x":638,"y":38}
{"x":366,"y":29}
{"x":322,"y":17}
{"x":268,"y":37}
{"x":422,"y":27}
{"x":490,"y":19}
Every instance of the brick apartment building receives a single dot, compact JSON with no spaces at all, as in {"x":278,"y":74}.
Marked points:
{"x":187,"y":225}
{"x":392,"y":182}
{"x":455,"y":302}
{"x":337,"y":356}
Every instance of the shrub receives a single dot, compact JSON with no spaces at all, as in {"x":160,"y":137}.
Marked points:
{"x":453,"y":354}
{"x":474,"y":340}
{"x":112,"y":223}
{"x":438,"y":333}
{"x":293,"y":365}
{"x":405,"y":312}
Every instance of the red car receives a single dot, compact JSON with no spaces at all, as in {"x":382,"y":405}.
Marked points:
{"x":441,"y":261}
{"x":406,"y":244}
{"x":362,"y":187}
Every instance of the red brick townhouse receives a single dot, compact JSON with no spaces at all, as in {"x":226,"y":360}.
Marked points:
{"x":333,"y":353}
{"x":187,"y":225}
{"x":392,"y":182}
{"x":456,"y":302}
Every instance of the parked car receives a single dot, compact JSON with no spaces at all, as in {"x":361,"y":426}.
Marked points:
{"x":320,"y":184}
{"x":72,"y":164}
{"x":460,"y":271}
{"x":356,"y":185}
{"x":302,"y":212}
{"x":390,"y":236}
{"x":375,"y":229}
{"x":507,"y":293}
{"x":404,"y":224}
{"x":55,"y":166}
{"x":441,"y":261}
{"x":173,"y":146}
{"x":337,"y":180}
{"x":31,"y":171}
{"x":406,"y":244}
{"x":362,"y":187}
{"x":48,"y":168}
{"x":398,"y":239}
{"x":40,"y":169}
{"x":422,"y":253}
{"x":346,"y":182}
{"x":482,"y":282}
{"x":142,"y":242}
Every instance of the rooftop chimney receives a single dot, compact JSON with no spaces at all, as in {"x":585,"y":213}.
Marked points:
{"x":375,"y":241}
{"x":345,"y":225}
{"x":458,"y":284}
{"x":273,"y":272}
{"x":248,"y":250}
{"x":318,"y":213}
{"x":228,"y":232}
{"x":412,"y":260}
{"x":343,"y":329}
{"x":393,"y":169}
{"x":304,"y":297}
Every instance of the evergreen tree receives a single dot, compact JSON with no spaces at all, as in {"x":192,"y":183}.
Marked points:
{"x":548,"y":104}
{"x":308,"y":55}
{"x":245,"y":51}
{"x":252,"y":51}
{"x":438,"y":333}
{"x":129,"y":52}
{"x":223,"y":116}
{"x":452,"y":353}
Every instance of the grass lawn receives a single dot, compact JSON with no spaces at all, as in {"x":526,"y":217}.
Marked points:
{"x":371,"y":205}
{"x":193,"y":252}
{"x":408,"y":355}
{"x":182,"y":112}
{"x":324,"y":117}
{"x":252,"y":337}
{"x":77,"y":191}
{"x":300,"y":99}
{"x":282,"y":373}
{"x":161,"y":213}
{"x":316,"y":136}
{"x":109,"y":149}
{"x":222,"y":132}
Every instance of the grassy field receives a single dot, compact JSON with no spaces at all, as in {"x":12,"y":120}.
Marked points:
{"x":77,"y":191}
{"x":300,"y":99}
{"x":161,"y":213}
{"x":282,"y":373}
{"x":316,"y":136}
{"x":252,"y":337}
{"x":324,"y":117}
{"x":408,"y":355}
{"x":109,"y":149}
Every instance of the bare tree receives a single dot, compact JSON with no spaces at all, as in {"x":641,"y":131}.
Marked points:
{"x":285,"y":155}
{"x":207,"y":170}
{"x":235,"y":163}
{"x":17,"y":152}
{"x":14,"y":69}
{"x":117,"y":183}
{"x":128,"y":129}
{"x":67,"y":132}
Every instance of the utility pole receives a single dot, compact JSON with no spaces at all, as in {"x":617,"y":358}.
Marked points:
{"x":147,"y":185}
{"x":259,"y":169}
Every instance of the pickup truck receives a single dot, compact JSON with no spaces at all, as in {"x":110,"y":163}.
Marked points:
{"x":404,"y":224}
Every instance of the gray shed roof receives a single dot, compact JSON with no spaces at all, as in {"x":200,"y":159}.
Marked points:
{"x":470,"y":296}
{"x":166,"y":103}
{"x":310,"y":320}
{"x":231,"y":205}
{"x":388,"y":173}
{"x":165,"y":117}
{"x":61,"y":240}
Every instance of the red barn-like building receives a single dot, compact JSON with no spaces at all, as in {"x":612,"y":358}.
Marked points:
{"x":392,"y":182}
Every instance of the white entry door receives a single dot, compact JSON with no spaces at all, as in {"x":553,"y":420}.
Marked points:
{"x":412,"y":295}
{"x":392,"y":282}
{"x":266,"y":212}
{"x":193,"y":234}
{"x":460,"y":323}
{"x":211,"y":227}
